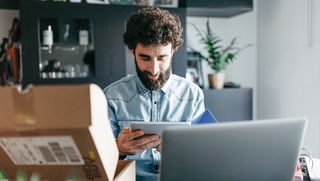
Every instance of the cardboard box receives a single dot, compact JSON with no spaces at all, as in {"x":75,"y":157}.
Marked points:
{"x":59,"y":132}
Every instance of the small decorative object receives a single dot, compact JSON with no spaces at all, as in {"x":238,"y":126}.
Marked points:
{"x":83,"y":37}
{"x":166,"y":3}
{"x":123,"y":2}
{"x":98,"y":1}
{"x":160,"y":3}
{"x":144,"y":2}
{"x":218,"y":57}
{"x":75,"y":1}
{"x":194,"y":68}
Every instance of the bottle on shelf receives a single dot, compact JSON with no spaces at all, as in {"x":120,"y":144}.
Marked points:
{"x":83,"y":32}
{"x":83,"y":37}
{"x":47,"y":36}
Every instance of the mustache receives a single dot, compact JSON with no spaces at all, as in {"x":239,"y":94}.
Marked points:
{"x":147,"y":73}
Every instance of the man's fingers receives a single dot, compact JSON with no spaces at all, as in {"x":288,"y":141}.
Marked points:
{"x":143,"y":147}
{"x":149,"y":145}
{"x":136,"y":134}
{"x":126,"y":130}
{"x":145,"y":140}
{"x":158,"y":148}
{"x":127,"y":134}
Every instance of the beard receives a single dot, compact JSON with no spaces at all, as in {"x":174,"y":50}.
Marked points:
{"x":155,"y":84}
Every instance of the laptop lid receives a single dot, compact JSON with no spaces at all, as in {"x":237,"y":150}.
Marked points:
{"x":254,"y":150}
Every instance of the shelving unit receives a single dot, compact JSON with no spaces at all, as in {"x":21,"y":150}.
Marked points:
{"x":108,"y":21}
{"x":67,"y":50}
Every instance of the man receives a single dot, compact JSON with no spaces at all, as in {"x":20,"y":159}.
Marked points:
{"x":154,"y":94}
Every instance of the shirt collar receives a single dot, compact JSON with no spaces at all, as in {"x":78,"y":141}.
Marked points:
{"x":165,"y":88}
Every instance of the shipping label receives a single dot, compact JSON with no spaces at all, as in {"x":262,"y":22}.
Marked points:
{"x":42,"y":150}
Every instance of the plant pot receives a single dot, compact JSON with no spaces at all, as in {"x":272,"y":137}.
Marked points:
{"x":216,"y":80}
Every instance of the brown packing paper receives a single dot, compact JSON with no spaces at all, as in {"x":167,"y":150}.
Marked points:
{"x":79,"y":111}
{"x":23,"y":105}
{"x":6,"y":109}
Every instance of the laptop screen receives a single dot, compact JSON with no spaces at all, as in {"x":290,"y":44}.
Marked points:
{"x":256,"y":150}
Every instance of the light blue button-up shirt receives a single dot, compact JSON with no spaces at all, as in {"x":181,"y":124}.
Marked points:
{"x":129,"y":100}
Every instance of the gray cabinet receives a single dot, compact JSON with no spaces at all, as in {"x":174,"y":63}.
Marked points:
{"x":9,"y":4}
{"x":229,"y":104}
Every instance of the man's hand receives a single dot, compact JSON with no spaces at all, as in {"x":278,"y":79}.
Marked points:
{"x":158,"y":148}
{"x":132,"y":142}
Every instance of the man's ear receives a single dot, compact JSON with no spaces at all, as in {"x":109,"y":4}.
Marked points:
{"x":132,"y":51}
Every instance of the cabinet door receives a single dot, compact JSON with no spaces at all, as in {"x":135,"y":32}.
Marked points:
{"x":9,"y":4}
{"x":231,"y":104}
{"x":56,"y":40}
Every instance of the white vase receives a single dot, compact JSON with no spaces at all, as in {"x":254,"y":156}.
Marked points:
{"x":216,"y":80}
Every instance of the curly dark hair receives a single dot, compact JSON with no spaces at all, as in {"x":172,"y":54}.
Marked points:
{"x":153,"y":26}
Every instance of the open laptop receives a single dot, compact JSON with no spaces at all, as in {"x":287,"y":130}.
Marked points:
{"x":254,"y":150}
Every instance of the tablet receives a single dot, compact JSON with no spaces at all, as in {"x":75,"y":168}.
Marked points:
{"x":155,"y":127}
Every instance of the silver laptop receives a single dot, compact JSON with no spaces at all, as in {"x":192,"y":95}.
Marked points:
{"x":255,"y":150}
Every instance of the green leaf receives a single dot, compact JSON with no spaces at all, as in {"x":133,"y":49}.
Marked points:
{"x":218,"y":57}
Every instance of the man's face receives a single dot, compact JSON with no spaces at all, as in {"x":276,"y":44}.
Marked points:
{"x":153,"y":64}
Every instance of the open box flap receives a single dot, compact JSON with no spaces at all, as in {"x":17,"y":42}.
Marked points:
{"x":45,"y":107}
{"x":6,"y":108}
{"x":62,"y":107}
{"x":104,"y":140}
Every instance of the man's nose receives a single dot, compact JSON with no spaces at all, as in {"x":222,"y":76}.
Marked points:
{"x":154,"y":67}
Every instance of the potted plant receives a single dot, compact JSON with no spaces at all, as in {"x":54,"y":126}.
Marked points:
{"x":218,"y":57}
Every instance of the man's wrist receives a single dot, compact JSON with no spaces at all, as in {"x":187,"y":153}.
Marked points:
{"x":122,"y":156}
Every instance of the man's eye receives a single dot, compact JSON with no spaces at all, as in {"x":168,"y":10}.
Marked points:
{"x":145,"y":58}
{"x":162,"y":58}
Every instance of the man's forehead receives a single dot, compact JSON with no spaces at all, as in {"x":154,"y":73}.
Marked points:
{"x":154,"y":49}
{"x":139,"y":45}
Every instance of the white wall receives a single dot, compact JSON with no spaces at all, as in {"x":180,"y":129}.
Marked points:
{"x":244,"y":26}
{"x":6,"y":17}
{"x":289,"y":69}
{"x":283,"y":70}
